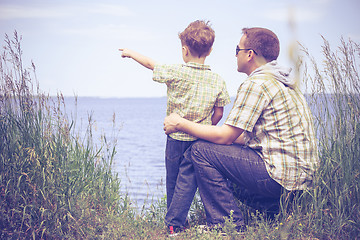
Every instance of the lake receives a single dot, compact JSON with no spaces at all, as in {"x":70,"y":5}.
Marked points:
{"x":139,"y":160}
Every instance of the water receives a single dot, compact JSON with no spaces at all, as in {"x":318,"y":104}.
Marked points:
{"x":140,"y":140}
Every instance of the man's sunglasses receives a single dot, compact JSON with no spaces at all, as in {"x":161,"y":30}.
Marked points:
{"x":243,"y":49}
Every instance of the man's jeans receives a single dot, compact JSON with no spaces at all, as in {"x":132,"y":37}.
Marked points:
{"x":218,"y":165}
{"x":173,"y":157}
{"x":216,"y":169}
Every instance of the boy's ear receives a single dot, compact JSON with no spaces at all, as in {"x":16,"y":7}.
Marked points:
{"x":186,"y":50}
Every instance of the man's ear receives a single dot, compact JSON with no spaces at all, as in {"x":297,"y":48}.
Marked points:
{"x":251,"y":55}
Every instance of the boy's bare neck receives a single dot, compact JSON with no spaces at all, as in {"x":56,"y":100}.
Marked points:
{"x":196,"y":60}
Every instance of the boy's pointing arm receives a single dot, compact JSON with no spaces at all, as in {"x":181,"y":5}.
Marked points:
{"x":143,"y":60}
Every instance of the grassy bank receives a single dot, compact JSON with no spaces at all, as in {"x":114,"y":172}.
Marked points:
{"x":56,"y":184}
{"x":53,"y":182}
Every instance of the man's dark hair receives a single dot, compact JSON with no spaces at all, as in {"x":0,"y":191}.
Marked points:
{"x":263,"y":41}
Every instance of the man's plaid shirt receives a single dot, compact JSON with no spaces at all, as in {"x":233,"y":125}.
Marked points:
{"x":278,"y":124}
{"x":192,"y":92}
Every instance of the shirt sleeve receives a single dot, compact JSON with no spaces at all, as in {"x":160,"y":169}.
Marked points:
{"x":248,"y":106}
{"x":164,"y":73}
{"x":223,"y":97}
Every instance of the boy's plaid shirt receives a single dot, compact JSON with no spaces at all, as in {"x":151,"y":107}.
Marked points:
{"x":278,"y":124}
{"x":192,"y":92}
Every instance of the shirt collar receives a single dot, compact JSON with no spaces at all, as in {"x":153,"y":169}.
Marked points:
{"x":197,"y":66}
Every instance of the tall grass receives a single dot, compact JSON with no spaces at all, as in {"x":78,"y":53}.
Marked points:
{"x":53,"y":182}
{"x":331,"y":210}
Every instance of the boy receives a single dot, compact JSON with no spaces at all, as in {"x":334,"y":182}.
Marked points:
{"x":193,"y":91}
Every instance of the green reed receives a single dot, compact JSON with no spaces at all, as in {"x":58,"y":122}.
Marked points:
{"x":53,"y":183}
{"x":331,"y":210}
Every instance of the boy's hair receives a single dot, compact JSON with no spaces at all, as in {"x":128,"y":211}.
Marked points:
{"x":199,"y":37}
{"x":263,"y":41}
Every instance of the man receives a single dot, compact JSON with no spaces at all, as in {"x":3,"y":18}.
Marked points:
{"x":272,"y":128}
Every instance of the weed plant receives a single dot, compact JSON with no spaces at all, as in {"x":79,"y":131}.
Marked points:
{"x":331,"y":209}
{"x":53,"y":183}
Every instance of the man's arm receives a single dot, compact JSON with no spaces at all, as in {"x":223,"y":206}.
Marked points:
{"x":224,"y":134}
{"x":217,"y":115}
{"x":143,"y":60}
{"x":241,"y":139}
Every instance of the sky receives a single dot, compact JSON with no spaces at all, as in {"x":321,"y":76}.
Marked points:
{"x":74,"y":44}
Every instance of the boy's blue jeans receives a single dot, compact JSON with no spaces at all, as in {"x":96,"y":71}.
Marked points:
{"x":174,"y":153}
{"x":216,"y":169}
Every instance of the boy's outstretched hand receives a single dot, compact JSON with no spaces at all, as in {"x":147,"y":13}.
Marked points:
{"x":143,"y":60}
{"x":125,"y":52}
